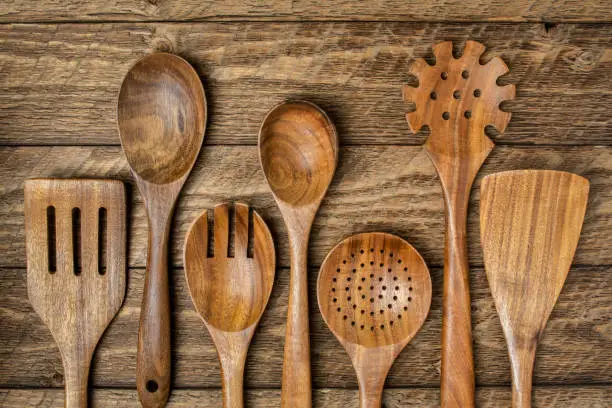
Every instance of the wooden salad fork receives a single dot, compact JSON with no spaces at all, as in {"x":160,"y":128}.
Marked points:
{"x":457,"y":98}
{"x":230,"y":291}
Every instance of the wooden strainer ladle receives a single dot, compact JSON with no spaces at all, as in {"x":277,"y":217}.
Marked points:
{"x":374,"y":292}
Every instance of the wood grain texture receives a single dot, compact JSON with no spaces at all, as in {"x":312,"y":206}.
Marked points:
{"x":161,"y":114}
{"x":58,"y":83}
{"x":388,"y":10}
{"x":489,"y":397}
{"x":530,"y":225}
{"x":578,"y":329}
{"x":298,"y":151}
{"x":457,"y":98}
{"x":76,"y":267}
{"x":230,"y":292}
{"x":373,"y":324}
{"x":387,"y":188}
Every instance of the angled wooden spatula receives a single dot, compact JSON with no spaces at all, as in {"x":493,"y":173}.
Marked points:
{"x":75,"y":244}
{"x":530,"y":223}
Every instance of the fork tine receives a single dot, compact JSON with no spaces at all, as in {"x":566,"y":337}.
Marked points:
{"x":241,"y":237}
{"x":221,"y":230}
{"x":196,"y":243}
{"x":262,"y":239}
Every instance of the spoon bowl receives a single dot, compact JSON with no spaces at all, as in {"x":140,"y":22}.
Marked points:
{"x":161,"y":115}
{"x":298,"y":152}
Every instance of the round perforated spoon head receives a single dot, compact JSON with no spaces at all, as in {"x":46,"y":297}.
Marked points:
{"x":161,"y":112}
{"x":374,"y":292}
{"x":230,"y":293}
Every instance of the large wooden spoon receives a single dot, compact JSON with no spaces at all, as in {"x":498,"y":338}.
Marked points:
{"x":298,"y":149}
{"x":530,"y":223}
{"x":162,"y":115}
{"x":457,"y":98}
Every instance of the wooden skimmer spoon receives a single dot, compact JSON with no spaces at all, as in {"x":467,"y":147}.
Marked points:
{"x":162,"y":115}
{"x":75,"y":244}
{"x":298,"y":150}
{"x":230,"y":292}
{"x":457,"y":99}
{"x":374,"y":293}
{"x":530,"y":222}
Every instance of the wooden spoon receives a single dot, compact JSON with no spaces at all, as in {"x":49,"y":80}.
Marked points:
{"x":298,"y":150}
{"x":374,"y":293}
{"x":230,"y":292}
{"x":162,"y":115}
{"x":457,"y":99}
{"x":530,"y":222}
{"x":75,"y":244}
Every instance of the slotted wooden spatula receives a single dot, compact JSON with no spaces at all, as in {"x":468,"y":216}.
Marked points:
{"x":530,"y":223}
{"x":457,"y":98}
{"x":75,"y":244}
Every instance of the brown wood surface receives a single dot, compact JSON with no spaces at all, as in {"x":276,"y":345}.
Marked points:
{"x":161,"y":116}
{"x":530,"y":225}
{"x":490,"y":397}
{"x":387,"y":188}
{"x":73,"y":275}
{"x":59,"y":83}
{"x":578,"y":330}
{"x":298,"y":152}
{"x":230,"y":291}
{"x":185,"y":10}
{"x":374,"y":294}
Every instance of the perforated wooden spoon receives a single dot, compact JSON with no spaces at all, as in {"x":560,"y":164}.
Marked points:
{"x":75,"y":245}
{"x":162,"y":115}
{"x":457,"y":98}
{"x":298,"y":149}
{"x":374,"y":292}
{"x":230,"y":292}
{"x":530,"y":222}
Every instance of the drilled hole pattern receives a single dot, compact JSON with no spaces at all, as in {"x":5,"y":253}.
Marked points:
{"x":383,"y":301}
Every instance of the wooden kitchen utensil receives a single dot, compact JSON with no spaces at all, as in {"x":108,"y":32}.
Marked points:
{"x":457,"y":99}
{"x":298,"y":150}
{"x":374,"y":292}
{"x":230,"y":292}
{"x":530,"y":222}
{"x":75,"y":246}
{"x":162,"y":115}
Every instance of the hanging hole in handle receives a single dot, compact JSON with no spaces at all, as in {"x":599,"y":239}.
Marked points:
{"x":152,"y":386}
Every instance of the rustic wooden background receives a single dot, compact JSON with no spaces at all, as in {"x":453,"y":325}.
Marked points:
{"x":61,"y":65}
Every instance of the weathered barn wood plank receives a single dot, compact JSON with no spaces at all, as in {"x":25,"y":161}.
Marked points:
{"x":574,"y":349}
{"x":59,"y":83}
{"x":486,"y":397}
{"x":189,"y":10}
{"x":388,"y":188}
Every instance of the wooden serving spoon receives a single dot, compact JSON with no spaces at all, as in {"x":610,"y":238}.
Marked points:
{"x":530,"y":222}
{"x":298,"y":150}
{"x":457,"y":99}
{"x":374,"y":292}
{"x":230,"y":292}
{"x":161,"y":113}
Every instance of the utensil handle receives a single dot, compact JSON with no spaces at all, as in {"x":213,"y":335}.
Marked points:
{"x":296,"y":383}
{"x":76,"y":377}
{"x":232,"y":376}
{"x":457,"y":378}
{"x":371,"y":383}
{"x":521,"y":362}
{"x":153,"y":358}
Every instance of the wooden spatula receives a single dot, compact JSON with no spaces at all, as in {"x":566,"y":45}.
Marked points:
{"x":75,"y":244}
{"x":374,"y":293}
{"x":530,"y":223}
{"x":457,"y":98}
{"x":230,"y":291}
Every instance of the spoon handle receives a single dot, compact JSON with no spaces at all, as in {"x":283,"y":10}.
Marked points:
{"x":522,"y":359}
{"x":457,"y":377}
{"x":296,"y":382}
{"x":153,"y":358}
